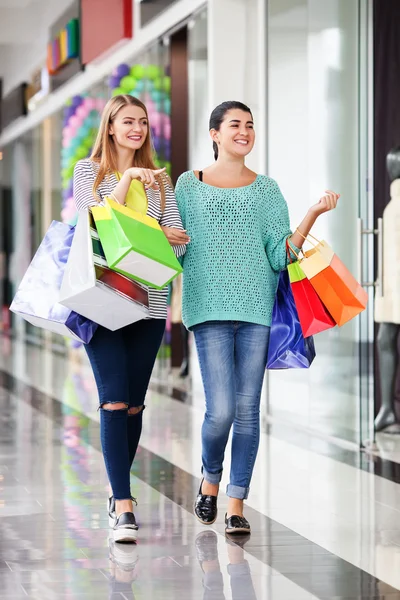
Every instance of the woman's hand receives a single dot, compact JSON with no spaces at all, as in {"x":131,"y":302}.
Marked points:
{"x":146,"y":176}
{"x":325,"y":204}
{"x":176,"y":237}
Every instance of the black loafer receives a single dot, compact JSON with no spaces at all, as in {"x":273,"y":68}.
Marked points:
{"x":112,"y":514}
{"x":125,"y":528}
{"x":236,"y":524}
{"x":205,"y":508}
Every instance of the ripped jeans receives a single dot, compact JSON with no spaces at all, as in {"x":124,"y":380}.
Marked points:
{"x":122,"y":363}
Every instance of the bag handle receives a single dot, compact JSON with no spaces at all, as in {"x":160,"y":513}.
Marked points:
{"x":289,"y":246}
{"x":288,"y":251}
{"x":306,"y":238}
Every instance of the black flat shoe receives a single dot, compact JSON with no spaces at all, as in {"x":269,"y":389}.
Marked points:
{"x":112,"y":514}
{"x":125,"y":528}
{"x":237,"y":525}
{"x":205,"y":507}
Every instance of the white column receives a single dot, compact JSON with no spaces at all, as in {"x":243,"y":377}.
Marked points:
{"x":237,"y":62}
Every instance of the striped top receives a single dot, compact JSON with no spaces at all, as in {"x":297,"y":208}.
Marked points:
{"x":84,"y":177}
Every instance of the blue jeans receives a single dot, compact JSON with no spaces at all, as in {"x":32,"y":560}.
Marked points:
{"x":232,"y":356}
{"x":122,"y":363}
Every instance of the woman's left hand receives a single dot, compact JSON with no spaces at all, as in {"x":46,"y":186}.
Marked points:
{"x":176,"y":237}
{"x":326,"y":203}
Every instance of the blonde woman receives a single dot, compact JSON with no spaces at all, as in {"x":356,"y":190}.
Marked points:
{"x":121,"y":167}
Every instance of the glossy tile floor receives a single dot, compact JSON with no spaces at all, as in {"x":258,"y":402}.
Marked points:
{"x":325,"y":521}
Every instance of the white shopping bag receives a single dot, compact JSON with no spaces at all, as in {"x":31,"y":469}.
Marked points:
{"x":37,"y":296}
{"x":91,"y":288}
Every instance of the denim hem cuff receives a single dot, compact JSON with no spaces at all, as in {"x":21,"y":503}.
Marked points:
{"x":122,"y":499}
{"x":213,"y":478}
{"x":235,"y":491}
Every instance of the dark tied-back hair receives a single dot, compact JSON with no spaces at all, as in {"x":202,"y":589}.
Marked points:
{"x":218,"y":115}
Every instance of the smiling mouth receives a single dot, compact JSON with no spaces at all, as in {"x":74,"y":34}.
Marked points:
{"x":241,"y":142}
{"x":135,"y":138}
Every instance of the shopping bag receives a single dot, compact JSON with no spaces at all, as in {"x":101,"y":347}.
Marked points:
{"x":313,"y":316}
{"x":342,"y":295}
{"x":92,"y":289}
{"x":37,"y":297}
{"x":288,"y":348}
{"x":135,"y":245}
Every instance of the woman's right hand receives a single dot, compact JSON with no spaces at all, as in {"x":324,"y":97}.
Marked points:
{"x":146,"y":176}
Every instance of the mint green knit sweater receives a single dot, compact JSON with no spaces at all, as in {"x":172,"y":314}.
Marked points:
{"x":237,"y":249}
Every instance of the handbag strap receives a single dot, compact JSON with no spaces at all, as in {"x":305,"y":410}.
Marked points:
{"x":306,"y":238}
{"x":200,"y":175}
{"x":289,"y":248}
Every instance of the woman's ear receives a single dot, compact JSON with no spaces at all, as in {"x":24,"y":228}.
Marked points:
{"x":110,"y":130}
{"x":214,"y":135}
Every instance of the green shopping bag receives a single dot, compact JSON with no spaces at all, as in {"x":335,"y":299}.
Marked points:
{"x":135,"y":245}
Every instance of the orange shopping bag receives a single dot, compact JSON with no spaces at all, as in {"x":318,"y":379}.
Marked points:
{"x":340,"y":292}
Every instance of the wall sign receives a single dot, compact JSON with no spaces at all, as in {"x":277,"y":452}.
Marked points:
{"x":105,"y":24}
{"x":14,"y":105}
{"x":64,"y":48}
{"x":38,"y":88}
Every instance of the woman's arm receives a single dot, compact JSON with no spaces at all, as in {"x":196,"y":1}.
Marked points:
{"x":171,"y":223}
{"x":121,"y":190}
{"x":326,"y":204}
{"x":146,"y":176}
{"x":278,"y":225}
{"x":84,"y":178}
{"x":83,"y":181}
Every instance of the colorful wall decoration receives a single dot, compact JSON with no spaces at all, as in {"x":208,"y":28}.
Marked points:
{"x":152,"y":84}
{"x":81,"y":121}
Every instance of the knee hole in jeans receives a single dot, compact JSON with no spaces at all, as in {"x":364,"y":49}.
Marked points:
{"x":110,"y":406}
{"x":135,"y":410}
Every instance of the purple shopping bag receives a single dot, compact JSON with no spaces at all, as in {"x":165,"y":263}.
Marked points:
{"x":288,"y":348}
{"x":37,"y":296}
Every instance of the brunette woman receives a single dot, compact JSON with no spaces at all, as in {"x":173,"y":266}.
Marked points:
{"x":238,"y":223}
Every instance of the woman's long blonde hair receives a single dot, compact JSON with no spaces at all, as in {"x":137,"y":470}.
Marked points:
{"x":105,"y":153}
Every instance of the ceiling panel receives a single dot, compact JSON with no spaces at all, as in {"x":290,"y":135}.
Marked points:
{"x":15,"y":3}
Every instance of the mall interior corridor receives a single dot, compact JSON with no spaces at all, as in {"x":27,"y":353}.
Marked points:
{"x":221,"y":177}
{"x":326,"y":521}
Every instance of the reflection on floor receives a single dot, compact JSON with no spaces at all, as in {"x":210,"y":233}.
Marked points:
{"x":324,"y":525}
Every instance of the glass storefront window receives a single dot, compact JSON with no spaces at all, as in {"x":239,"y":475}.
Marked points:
{"x":40,"y":165}
{"x":313,"y":145}
{"x":200,"y":147}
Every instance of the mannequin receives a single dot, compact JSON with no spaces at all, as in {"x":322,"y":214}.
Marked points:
{"x":387,"y":307}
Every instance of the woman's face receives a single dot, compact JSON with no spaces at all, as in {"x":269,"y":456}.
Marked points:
{"x":236,"y":135}
{"x":130,"y":127}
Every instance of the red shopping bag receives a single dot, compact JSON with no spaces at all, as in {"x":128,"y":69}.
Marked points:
{"x":314,"y":317}
{"x":342,"y":295}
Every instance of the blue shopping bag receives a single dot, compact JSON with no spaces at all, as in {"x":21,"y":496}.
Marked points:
{"x":288,"y":348}
{"x":37,"y":296}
